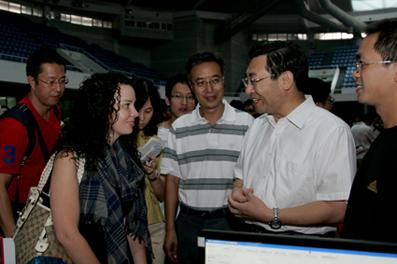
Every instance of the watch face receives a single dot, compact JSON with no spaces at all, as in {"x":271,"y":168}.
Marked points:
{"x":275,"y":224}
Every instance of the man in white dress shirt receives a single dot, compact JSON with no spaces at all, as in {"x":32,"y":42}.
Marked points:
{"x":297,"y":163}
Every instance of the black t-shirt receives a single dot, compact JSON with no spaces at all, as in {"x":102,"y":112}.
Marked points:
{"x":373,"y":197}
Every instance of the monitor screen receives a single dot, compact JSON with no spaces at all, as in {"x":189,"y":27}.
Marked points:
{"x":227,"y":247}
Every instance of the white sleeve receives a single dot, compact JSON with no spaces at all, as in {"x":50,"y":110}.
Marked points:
{"x":336,"y":165}
{"x":169,"y":163}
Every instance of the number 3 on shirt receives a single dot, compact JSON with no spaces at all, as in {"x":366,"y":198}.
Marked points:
{"x":9,"y":154}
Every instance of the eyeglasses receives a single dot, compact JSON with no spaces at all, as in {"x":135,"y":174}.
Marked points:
{"x":201,"y":83}
{"x":179,"y":97}
{"x":51,"y":83}
{"x":361,"y":64}
{"x":247,"y":82}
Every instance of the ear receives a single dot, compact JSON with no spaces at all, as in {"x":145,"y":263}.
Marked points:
{"x":192,"y":89}
{"x":167,"y":101}
{"x":31,"y":81}
{"x":287,"y":80}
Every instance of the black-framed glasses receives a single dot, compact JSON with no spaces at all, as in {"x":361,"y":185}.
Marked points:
{"x":180,"y":97}
{"x":201,"y":83}
{"x":247,"y":81}
{"x":61,"y":82}
{"x":360,"y":64}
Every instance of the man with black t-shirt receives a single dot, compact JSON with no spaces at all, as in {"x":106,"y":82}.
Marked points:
{"x":370,"y":210}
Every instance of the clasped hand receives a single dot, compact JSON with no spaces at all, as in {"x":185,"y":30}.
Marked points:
{"x":243,"y":203}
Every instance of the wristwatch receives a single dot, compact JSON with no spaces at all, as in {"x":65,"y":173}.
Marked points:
{"x":275,"y":223}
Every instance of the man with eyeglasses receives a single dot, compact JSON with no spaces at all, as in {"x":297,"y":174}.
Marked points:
{"x":179,"y":99}
{"x":203,"y":147}
{"x":45,"y":70}
{"x":297,"y":163}
{"x":370,"y":208}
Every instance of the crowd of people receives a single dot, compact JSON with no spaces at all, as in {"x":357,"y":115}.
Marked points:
{"x":290,"y":168}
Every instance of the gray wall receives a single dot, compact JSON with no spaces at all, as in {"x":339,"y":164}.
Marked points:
{"x":193,"y":34}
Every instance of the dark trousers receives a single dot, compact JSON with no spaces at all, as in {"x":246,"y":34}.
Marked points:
{"x":188,"y":225}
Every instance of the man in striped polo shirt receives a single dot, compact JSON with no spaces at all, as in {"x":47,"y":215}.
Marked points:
{"x":203,"y":147}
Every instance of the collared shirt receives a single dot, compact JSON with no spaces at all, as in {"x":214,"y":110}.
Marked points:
{"x":203,"y":155}
{"x":307,"y":156}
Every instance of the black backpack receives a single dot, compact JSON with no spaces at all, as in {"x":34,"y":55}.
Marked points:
{"x":23,"y":114}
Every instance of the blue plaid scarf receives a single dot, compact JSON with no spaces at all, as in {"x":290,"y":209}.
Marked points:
{"x":111,"y":196}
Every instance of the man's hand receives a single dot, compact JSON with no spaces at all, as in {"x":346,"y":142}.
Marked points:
{"x":238,"y":195}
{"x":243,"y":203}
{"x":171,"y":245}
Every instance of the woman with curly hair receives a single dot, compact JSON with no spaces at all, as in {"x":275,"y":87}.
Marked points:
{"x":102,"y":219}
{"x":148,"y":104}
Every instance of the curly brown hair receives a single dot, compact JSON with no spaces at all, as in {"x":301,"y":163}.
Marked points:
{"x":86,"y":132}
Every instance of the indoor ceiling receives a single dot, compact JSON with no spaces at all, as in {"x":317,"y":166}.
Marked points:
{"x":285,"y":15}
{"x":255,"y":15}
{"x":230,"y":6}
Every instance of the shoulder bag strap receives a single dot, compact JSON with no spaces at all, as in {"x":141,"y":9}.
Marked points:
{"x":80,"y":169}
{"x":48,"y":169}
{"x":46,"y":173}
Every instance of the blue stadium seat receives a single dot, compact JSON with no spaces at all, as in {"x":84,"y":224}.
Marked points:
{"x":18,"y":39}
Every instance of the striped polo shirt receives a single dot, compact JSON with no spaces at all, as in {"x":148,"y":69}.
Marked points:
{"x":203,"y":156}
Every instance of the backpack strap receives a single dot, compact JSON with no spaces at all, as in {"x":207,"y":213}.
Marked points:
{"x":22,"y":113}
{"x":57,"y":113}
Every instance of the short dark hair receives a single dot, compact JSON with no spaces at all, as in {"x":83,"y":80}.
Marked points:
{"x":238,"y":104}
{"x":319,"y":89}
{"x":386,"y":45}
{"x":41,"y":56}
{"x":202,"y":57}
{"x":283,"y":56}
{"x":172,"y":81}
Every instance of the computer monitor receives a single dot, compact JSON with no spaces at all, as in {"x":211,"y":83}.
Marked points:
{"x":227,"y":247}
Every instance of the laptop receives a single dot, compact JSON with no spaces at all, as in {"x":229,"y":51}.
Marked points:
{"x":229,"y":247}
